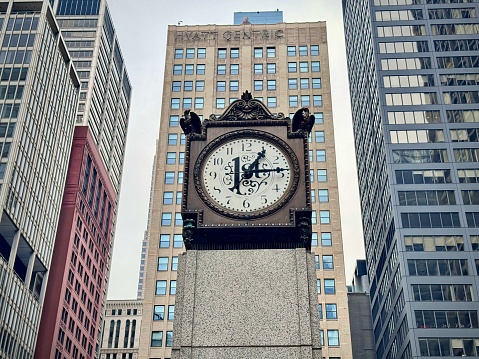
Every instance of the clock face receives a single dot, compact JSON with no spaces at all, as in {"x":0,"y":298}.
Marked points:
{"x":247,"y":176}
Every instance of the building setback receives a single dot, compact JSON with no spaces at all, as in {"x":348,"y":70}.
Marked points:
{"x":38,"y":100}
{"x":208,"y":67}
{"x":413,"y":79}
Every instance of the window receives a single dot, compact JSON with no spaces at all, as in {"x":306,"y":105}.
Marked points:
{"x":313,"y":196}
{"x":157,"y":339}
{"x":162,"y":263}
{"x":167,"y":197}
{"x":199,"y":102}
{"x":232,"y":99}
{"x":323,"y":195}
{"x":171,"y":312}
{"x":271,"y":68}
{"x":316,"y":83}
{"x":175,"y":103}
{"x":315,"y":67}
{"x":172,"y":139}
{"x":328,"y":262}
{"x":329,"y":286}
{"x":160,"y":287}
{"x":159,"y":312}
{"x":166,"y":219}
{"x":176,"y":86}
{"x":293,"y":101}
{"x":333,"y":337}
{"x":324,"y":217}
{"x":165,"y":238}
{"x":318,"y":118}
{"x":331,"y":311}
{"x":169,"y":177}
{"x":314,"y":239}
{"x":271,"y":52}
{"x":172,"y":287}
{"x":271,"y":102}
{"x":292,"y":67}
{"x":319,"y":136}
{"x":234,"y":53}
{"x":222,"y":53}
{"x":221,"y":86}
{"x":313,"y":217}
{"x":234,"y":69}
{"x":174,"y":263}
{"x":291,"y":50}
{"x":271,"y":85}
{"x":201,"y":53}
{"x":170,"y":158}
{"x":178,"y":53}
{"x":318,"y":286}
{"x":326,"y":239}
{"x":305,"y":100}
{"x":169,"y":338}
{"x":177,"y":69}
{"x":258,"y":85}
{"x":190,"y":53}
{"x":234,"y":85}
{"x":303,"y":50}
{"x":303,"y":67}
{"x":316,"y":261}
{"x":304,"y":83}
{"x":180,"y":177}
{"x":317,"y":100}
{"x":293,"y":84}
{"x":321,"y":336}
{"x":258,"y":68}
{"x":320,"y":312}
{"x":258,"y":52}
{"x":179,"y":196}
{"x":188,"y":86}
{"x":220,"y":103}
{"x":200,"y":85}
{"x":314,"y":50}
{"x":177,"y":240}
{"x":178,"y":219}
{"x":200,"y":69}
{"x":320,"y":155}
{"x":187,"y":102}
{"x":189,"y":69}
{"x":174,"y":120}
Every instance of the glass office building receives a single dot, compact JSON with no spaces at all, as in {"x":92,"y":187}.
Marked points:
{"x":258,"y":17}
{"x":413,"y":72}
{"x":39,"y":91}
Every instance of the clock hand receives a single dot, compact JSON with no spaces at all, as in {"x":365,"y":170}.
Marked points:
{"x":248,"y":173}
{"x":277,"y":169}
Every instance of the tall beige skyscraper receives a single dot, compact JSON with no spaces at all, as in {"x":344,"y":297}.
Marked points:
{"x":207,"y":67}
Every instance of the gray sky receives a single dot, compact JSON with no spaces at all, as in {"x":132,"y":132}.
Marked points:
{"x":141,"y":27}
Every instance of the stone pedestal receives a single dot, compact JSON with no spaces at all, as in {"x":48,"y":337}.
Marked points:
{"x":246,"y":304}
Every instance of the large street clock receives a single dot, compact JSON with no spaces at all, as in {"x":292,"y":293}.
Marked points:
{"x":246,"y":182}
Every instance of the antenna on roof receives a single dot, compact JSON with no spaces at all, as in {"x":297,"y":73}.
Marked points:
{"x":179,"y":22}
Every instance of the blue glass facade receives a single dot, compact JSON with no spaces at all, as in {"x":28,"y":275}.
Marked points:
{"x":258,"y":17}
{"x":78,"y":7}
{"x":413,"y":81}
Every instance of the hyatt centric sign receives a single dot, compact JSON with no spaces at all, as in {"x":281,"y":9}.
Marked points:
{"x":229,"y":35}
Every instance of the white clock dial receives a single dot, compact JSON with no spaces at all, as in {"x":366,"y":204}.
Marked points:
{"x":246,"y":174}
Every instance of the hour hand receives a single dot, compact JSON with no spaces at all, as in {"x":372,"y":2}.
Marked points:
{"x":265,"y":170}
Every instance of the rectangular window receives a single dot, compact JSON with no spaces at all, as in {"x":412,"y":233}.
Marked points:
{"x":303,"y":67}
{"x":168,"y":197}
{"x":159,"y":312}
{"x":170,"y":158}
{"x":220,"y":103}
{"x":305,"y":100}
{"x":175,"y":103}
{"x":316,"y":261}
{"x":176,"y":86}
{"x":190,"y":53}
{"x":157,"y":339}
{"x":177,"y":69}
{"x":189,"y":69}
{"x":324,"y":217}
{"x":234,"y":53}
{"x":318,"y":118}
{"x":165,"y":238}
{"x":160,"y":287}
{"x":169,"y":338}
{"x":328,"y":262}
{"x":179,"y":196}
{"x":174,"y":263}
{"x":291,"y":50}
{"x":314,"y":50}
{"x":178,"y":53}
{"x":323,"y":195}
{"x":172,"y":139}
{"x":180,"y":177}
{"x":162,"y":263}
{"x":304,"y":83}
{"x":174,"y":120}
{"x":292,"y":67}
{"x":172,"y":287}
{"x":188,"y":86}
{"x":293,"y":101}
{"x":258,"y":69}
{"x":317,"y":100}
{"x":201,"y":53}
{"x":320,"y":312}
{"x":271,"y":85}
{"x":200,"y":69}
{"x":234,"y":69}
{"x":200,"y":85}
{"x":313,"y":217}
{"x":313,"y":196}
{"x":258,"y":52}
{"x":293,"y":84}
{"x":221,"y":86}
{"x":169,"y":177}
{"x":331,"y":311}
{"x":177,"y":239}
{"x":166,"y":219}
{"x":333,"y":337}
{"x":271,"y":68}
{"x":234,"y":85}
{"x":316,"y":83}
{"x":318,"y":286}
{"x":187,"y":102}
{"x":171,"y":312}
{"x":329,"y":286}
{"x":271,"y":52}
{"x":271,"y":102}
{"x":326,"y":239}
{"x":303,"y":50}
{"x":199,"y":102}
{"x":258,"y":85}
{"x":315,"y":66}
{"x":319,"y":136}
{"x":178,"y":219}
{"x":321,"y":155}
{"x":222,"y":53}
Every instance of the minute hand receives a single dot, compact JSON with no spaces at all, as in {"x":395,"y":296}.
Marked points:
{"x":277,"y":169}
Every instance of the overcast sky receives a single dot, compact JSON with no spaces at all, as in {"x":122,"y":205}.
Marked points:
{"x":141,"y":28}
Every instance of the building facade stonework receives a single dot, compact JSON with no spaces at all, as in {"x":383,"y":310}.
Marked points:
{"x":208,"y":67}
